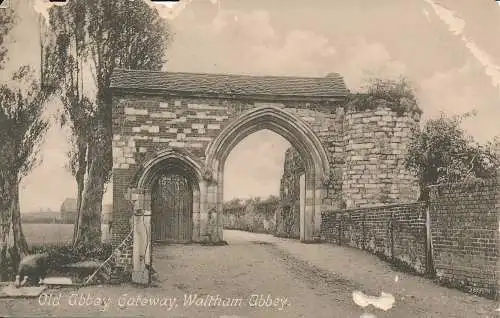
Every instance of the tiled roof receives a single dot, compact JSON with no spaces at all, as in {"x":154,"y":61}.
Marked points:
{"x":331,"y":85}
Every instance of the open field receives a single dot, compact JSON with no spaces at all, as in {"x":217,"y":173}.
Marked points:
{"x":40,"y":234}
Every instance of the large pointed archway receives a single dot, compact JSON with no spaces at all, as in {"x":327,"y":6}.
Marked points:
{"x":299,"y":134}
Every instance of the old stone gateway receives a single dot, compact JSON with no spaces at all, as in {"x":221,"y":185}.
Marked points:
{"x":172,"y":133}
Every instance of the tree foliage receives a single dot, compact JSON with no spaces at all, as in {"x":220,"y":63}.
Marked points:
{"x":21,"y":123}
{"x":238,"y":203}
{"x":6,"y":23}
{"x":22,"y":130}
{"x":100,"y":36}
{"x":441,"y":152}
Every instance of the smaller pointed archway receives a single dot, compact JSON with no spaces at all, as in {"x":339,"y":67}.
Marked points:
{"x":184,"y":171}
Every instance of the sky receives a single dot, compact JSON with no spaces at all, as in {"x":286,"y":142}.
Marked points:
{"x":449,"y":49}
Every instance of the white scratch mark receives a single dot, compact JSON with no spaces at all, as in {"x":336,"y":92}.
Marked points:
{"x":385,"y":301}
{"x":367,"y":315}
{"x":427,"y":15}
{"x":456,"y":26}
{"x":169,"y":10}
{"x":396,"y":279}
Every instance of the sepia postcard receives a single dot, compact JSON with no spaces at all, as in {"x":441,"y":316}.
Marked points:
{"x":236,"y":158}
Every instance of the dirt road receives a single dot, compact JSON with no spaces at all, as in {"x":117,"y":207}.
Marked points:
{"x":254,"y":276}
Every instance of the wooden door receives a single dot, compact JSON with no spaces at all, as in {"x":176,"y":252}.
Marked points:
{"x":172,"y":209}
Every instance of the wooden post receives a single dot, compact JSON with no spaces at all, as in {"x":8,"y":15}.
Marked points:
{"x":142,"y":247}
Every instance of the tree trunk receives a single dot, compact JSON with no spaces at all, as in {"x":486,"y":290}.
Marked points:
{"x":99,"y":164}
{"x":89,"y":225}
{"x":19,"y":244}
{"x":13,"y":244}
{"x":4,"y":226}
{"x":80,"y":181}
{"x":4,"y":244}
{"x":80,"y":187}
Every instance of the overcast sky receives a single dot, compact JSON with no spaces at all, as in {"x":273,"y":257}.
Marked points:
{"x":448,"y":49}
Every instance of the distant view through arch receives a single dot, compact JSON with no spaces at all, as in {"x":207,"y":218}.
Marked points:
{"x":261,"y":186}
{"x":299,"y":135}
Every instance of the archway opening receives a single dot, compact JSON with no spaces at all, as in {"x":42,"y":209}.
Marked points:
{"x":299,"y":135}
{"x":261,"y":191}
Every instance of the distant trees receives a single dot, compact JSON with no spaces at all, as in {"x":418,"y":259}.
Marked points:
{"x":41,"y":218}
{"x":254,"y":214}
{"x":441,"y":152}
{"x":98,"y":35}
{"x":239,"y":203}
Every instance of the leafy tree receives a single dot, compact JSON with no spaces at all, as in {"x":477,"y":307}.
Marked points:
{"x":6,"y":23}
{"x":22,"y":130}
{"x":234,"y":203}
{"x":271,"y":199}
{"x":65,"y":68}
{"x":441,"y":152}
{"x":99,"y":35}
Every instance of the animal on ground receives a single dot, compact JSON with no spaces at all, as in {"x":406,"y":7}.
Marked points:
{"x":32,"y":269}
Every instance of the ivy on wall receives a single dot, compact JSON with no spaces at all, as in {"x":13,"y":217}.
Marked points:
{"x":397,"y":95}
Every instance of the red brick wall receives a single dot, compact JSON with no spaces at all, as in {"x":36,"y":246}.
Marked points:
{"x":465,"y":236}
{"x":464,"y":247}
{"x":393,"y":232}
{"x":122,"y":209}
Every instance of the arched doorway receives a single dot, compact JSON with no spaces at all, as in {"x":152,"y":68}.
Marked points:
{"x":158,"y":212}
{"x":170,"y":185}
{"x":172,"y":208}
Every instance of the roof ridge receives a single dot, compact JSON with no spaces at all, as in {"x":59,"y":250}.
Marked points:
{"x":332,"y":84}
{"x":330,"y":74}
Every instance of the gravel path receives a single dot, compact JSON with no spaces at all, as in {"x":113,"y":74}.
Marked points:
{"x":256,"y":276}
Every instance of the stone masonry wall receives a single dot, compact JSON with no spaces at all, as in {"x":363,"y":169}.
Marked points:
{"x":367,"y":155}
{"x":288,"y":214}
{"x":144,"y":124}
{"x":465,"y":236}
{"x":365,"y":148}
{"x":375,"y":142}
{"x":393,"y":232}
